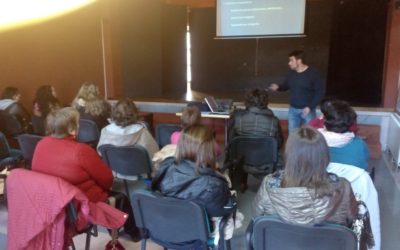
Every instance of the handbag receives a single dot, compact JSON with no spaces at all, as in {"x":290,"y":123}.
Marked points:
{"x":114,"y":244}
{"x":362,"y":227}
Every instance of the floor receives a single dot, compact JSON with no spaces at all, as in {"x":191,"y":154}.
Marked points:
{"x":387,"y":178}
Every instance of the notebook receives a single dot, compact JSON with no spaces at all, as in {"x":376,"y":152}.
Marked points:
{"x":218,"y":108}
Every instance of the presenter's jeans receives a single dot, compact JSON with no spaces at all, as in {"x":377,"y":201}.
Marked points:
{"x":296,"y":119}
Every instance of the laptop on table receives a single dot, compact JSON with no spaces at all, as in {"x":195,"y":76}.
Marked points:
{"x":218,"y":108}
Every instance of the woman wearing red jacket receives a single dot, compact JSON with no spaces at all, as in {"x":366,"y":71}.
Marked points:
{"x":60,"y":155}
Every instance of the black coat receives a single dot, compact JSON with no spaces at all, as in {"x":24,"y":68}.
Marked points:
{"x":204,"y":186}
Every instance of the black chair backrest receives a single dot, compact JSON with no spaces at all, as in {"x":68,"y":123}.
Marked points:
{"x":256,"y":151}
{"x":270,"y":233}
{"x":88,"y":132}
{"x":39,"y":125}
{"x":9,"y":124}
{"x":4,"y":147}
{"x":164,"y":132}
{"x":126,"y":160}
{"x":168,"y":219}
{"x":27,"y":143}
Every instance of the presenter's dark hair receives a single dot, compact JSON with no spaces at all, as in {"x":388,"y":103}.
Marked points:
{"x":298,"y":54}
{"x":124,"y":113}
{"x":257,"y":98}
{"x":307,"y":157}
{"x":9,"y":93}
{"x":339,"y":117}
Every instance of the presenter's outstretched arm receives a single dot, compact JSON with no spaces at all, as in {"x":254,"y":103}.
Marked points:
{"x":273,"y":87}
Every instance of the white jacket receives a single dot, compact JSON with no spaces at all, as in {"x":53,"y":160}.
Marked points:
{"x":362,"y":186}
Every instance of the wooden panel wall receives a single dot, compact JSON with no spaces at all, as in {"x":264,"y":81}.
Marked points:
{"x":63,"y":52}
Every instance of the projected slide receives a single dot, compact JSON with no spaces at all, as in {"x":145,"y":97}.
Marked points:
{"x":260,"y":17}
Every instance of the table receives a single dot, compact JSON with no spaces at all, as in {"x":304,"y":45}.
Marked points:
{"x":212,"y":115}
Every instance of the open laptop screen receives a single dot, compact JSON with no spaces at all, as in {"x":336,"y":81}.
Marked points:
{"x":212,"y":103}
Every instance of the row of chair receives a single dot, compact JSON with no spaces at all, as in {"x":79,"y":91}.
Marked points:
{"x":170,"y":222}
{"x":181,"y":224}
{"x":154,"y":214}
{"x":265,"y":232}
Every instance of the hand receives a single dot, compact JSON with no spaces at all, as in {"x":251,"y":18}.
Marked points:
{"x":273,"y":87}
{"x":305,"y":112}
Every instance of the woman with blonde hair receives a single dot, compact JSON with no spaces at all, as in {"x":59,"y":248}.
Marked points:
{"x":91,"y":105}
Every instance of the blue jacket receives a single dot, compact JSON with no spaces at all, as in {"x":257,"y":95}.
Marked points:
{"x":354,"y":153}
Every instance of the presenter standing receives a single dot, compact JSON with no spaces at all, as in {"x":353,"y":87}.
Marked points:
{"x":306,"y":90}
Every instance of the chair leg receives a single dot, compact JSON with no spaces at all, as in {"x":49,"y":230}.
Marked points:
{"x":127,"y":190}
{"x":143,"y":244}
{"x":87,"y":245}
{"x":72,"y":245}
{"x":227,"y":244}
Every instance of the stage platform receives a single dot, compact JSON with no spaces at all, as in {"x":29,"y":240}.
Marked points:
{"x":372,"y":121}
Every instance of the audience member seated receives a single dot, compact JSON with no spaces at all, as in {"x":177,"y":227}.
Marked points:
{"x":364,"y":190}
{"x":304,"y":192}
{"x":344,"y":146}
{"x":45,"y":102}
{"x":125,"y":130}
{"x":320,"y":121}
{"x":191,"y":115}
{"x":191,"y":174}
{"x":10,"y":103}
{"x":91,"y":105}
{"x":60,"y":155}
{"x":256,"y":120}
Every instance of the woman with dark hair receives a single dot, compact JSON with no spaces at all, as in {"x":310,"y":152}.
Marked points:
{"x":10,"y":103}
{"x":344,"y":146}
{"x":257,"y":119}
{"x":125,"y":130}
{"x":91,"y":105}
{"x":325,"y":105}
{"x":78,"y":163}
{"x":304,"y":192}
{"x":44,"y":103}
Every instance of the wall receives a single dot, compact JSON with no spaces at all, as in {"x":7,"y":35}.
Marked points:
{"x":235,"y":65}
{"x":140,"y":47}
{"x":67,"y":51}
{"x":356,"y":58}
{"x":63,"y":52}
{"x":392,"y":59}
